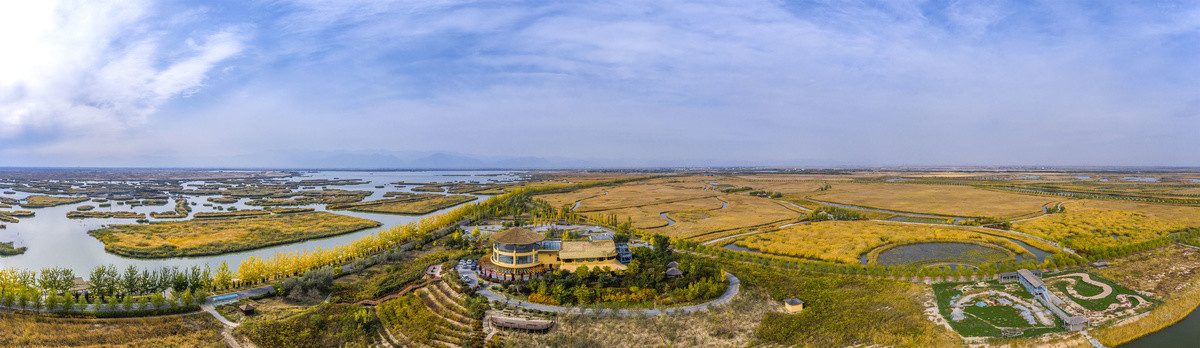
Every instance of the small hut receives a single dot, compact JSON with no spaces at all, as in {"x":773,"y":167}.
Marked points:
{"x":673,"y":264}
{"x":793,"y":305}
{"x":80,"y":286}
{"x":673,"y":273}
{"x":522,"y":323}
{"x":247,"y":309}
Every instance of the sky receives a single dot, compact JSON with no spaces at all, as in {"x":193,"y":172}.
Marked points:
{"x":362,"y":83}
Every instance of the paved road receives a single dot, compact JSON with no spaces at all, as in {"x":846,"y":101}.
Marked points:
{"x":730,"y":292}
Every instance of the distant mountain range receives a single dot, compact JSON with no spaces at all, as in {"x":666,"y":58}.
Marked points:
{"x":386,"y":160}
{"x":399,"y":160}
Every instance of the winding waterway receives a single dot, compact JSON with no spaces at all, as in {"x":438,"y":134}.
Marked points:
{"x":56,"y":241}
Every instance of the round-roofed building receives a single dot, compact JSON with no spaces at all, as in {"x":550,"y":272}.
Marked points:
{"x":515,"y":254}
{"x":519,"y":253}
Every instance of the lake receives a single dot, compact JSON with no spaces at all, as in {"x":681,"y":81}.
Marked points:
{"x":56,"y":241}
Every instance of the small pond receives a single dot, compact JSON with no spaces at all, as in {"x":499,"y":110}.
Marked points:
{"x":938,"y":252}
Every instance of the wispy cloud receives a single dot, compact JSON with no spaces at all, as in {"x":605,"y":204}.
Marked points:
{"x":920,"y":82}
{"x":93,"y":68}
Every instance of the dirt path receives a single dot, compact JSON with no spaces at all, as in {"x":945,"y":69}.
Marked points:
{"x":1086,"y":278}
{"x":797,"y":206}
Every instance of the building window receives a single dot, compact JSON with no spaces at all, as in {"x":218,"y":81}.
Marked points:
{"x":505,"y":259}
{"x":521,"y":260}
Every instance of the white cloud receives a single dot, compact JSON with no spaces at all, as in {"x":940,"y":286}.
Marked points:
{"x":95,"y":68}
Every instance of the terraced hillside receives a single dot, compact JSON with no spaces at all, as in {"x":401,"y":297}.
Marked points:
{"x":435,"y":315}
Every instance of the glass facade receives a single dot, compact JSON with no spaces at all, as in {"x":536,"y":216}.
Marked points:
{"x":521,"y":260}
{"x":504,"y":259}
{"x":517,"y":248}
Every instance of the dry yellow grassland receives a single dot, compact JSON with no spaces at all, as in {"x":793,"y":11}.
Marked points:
{"x":786,"y":184}
{"x":795,"y":177}
{"x":192,"y":330}
{"x":218,"y":236}
{"x":731,"y":325}
{"x":845,"y":241}
{"x":1187,"y":191}
{"x":650,"y":216}
{"x":568,"y":198}
{"x":640,"y":194}
{"x":743,"y":211}
{"x":956,"y":200}
{"x":1095,"y":223}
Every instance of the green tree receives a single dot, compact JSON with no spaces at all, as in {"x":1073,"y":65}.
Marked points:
{"x":223,"y":278}
{"x":583,"y":272}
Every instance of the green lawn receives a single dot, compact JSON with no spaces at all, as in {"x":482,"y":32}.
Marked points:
{"x":1085,"y":289}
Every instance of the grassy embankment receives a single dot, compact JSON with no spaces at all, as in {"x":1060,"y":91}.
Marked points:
{"x":11,"y":216}
{"x":162,"y":239}
{"x":7,"y":249}
{"x":329,"y":196}
{"x":412,"y":205}
{"x":105,"y":215}
{"x":181,"y":211}
{"x":40,"y":201}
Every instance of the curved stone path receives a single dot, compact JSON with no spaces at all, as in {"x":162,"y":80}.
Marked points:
{"x":1086,"y":278}
{"x":730,"y":292}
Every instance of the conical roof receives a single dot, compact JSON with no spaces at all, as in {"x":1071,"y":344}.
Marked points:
{"x":517,"y":235}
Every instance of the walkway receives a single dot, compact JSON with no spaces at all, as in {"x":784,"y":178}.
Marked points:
{"x":227,"y":332}
{"x":1087,"y":278}
{"x":730,"y":292}
{"x":213,"y":310}
{"x":714,"y":241}
{"x":797,"y":206}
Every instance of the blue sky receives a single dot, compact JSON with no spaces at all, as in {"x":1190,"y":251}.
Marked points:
{"x":614,"y":83}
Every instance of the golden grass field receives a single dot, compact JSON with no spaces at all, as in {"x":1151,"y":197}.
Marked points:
{"x":786,"y":184}
{"x":845,"y":241}
{"x":40,"y":201}
{"x":649,"y":216}
{"x":218,"y":236}
{"x":191,"y":330}
{"x":743,"y":211}
{"x":955,"y":200}
{"x":639,"y":194}
{"x":411,"y":204}
{"x":690,"y":201}
{"x":1097,"y":223}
